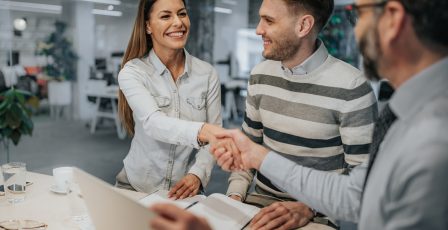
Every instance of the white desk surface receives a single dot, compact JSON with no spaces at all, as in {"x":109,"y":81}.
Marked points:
{"x":45,"y":206}
{"x":54,"y":209}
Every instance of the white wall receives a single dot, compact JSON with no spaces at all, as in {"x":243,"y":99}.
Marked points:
{"x":112,"y":34}
{"x":5,"y":36}
{"x":226,"y":27}
{"x":39,"y":26}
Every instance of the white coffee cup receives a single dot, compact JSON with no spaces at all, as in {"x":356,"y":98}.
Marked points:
{"x":62,"y":177}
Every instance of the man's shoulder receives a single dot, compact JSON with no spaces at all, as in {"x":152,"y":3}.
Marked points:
{"x":343,"y":66}
{"x":268,"y":67}
{"x":346,"y":74}
{"x":428,"y":130}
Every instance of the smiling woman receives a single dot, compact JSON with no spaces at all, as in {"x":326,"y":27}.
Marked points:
{"x":169,"y":101}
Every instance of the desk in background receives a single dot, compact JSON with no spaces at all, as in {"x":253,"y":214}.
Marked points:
{"x":109,"y":93}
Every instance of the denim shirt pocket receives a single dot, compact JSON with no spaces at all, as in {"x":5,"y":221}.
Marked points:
{"x":197,"y":108}
{"x":162,"y":101}
{"x":197,"y":102}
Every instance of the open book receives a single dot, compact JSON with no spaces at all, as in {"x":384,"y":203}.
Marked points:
{"x":220,"y":211}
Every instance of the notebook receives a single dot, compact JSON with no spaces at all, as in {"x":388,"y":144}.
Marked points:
{"x":220,"y":211}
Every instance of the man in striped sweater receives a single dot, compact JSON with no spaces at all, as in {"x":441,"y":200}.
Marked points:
{"x":303,"y":103}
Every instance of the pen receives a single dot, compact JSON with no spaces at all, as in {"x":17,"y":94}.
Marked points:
{"x":189,"y":206}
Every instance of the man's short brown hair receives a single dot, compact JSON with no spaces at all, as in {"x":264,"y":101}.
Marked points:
{"x":321,"y":10}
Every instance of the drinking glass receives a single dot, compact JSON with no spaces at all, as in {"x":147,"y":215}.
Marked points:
{"x":14,"y":175}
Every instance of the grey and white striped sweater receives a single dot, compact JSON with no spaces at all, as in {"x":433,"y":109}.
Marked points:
{"x":323,"y":120}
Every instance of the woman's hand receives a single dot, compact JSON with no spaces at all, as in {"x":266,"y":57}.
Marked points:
{"x":208,"y":132}
{"x":188,"y":186}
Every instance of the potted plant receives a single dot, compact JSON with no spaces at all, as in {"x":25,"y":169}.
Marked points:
{"x":15,"y":118}
{"x":60,"y":67}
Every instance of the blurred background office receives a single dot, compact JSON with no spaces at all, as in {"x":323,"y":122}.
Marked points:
{"x":67,"y":54}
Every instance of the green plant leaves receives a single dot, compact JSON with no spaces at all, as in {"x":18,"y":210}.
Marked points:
{"x":57,"y":47}
{"x":15,"y":118}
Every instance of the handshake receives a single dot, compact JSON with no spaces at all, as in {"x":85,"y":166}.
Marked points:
{"x":233,"y":150}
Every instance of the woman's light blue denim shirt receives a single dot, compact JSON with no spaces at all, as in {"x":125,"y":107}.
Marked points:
{"x":168,"y":116}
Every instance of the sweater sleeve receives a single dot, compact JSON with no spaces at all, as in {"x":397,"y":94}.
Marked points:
{"x":357,"y":118}
{"x":335,"y":195}
{"x":239,"y":182}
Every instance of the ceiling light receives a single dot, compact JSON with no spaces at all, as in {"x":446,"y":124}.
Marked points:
{"x":110,"y":2}
{"x":30,"y":7}
{"x":107,"y":12}
{"x":110,"y":7}
{"x":230,"y":2}
{"x":20,"y":24}
{"x":222,"y":10}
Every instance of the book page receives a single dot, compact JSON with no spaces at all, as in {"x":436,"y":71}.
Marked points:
{"x":161,"y":196}
{"x":223,"y":212}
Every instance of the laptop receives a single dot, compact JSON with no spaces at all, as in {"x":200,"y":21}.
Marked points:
{"x":108,"y":209}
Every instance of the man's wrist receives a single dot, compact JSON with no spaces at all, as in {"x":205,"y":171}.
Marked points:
{"x":259,"y":156}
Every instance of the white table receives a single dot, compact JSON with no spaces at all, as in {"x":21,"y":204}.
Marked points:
{"x":111,"y":94}
{"x":230,"y":107}
{"x":45,"y":206}
{"x":55,"y":210}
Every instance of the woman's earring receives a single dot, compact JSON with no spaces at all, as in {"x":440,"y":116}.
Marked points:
{"x":148,"y":32}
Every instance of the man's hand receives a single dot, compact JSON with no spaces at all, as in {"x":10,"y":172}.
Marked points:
{"x":251,"y":154}
{"x":188,"y":186}
{"x":230,"y":156}
{"x":282,"y":215}
{"x":209,"y":133}
{"x":170,"y":217}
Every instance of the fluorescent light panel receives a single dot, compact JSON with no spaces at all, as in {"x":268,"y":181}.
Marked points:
{"x":107,"y":12}
{"x":30,"y":7}
{"x":109,"y":2}
{"x":222,"y":10}
{"x":230,"y":2}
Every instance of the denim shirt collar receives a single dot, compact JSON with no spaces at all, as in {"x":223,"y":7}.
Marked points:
{"x":161,"y":69}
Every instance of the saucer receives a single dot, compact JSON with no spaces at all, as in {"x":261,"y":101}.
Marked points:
{"x":57,"y":190}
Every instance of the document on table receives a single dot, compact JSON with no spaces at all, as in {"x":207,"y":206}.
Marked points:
{"x":220,"y":211}
{"x":161,"y":196}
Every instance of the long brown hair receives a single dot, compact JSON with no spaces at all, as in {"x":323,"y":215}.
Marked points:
{"x":139,"y":45}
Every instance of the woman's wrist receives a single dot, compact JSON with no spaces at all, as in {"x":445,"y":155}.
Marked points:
{"x":202,"y":135}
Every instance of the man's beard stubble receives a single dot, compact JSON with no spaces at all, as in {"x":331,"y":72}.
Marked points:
{"x":369,"y":41}
{"x":283,"y":49}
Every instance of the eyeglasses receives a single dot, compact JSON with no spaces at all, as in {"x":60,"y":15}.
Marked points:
{"x":353,"y":10}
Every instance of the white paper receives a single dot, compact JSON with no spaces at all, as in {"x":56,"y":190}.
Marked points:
{"x":161,"y":196}
{"x":223,"y":212}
